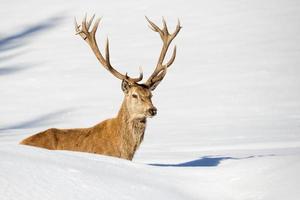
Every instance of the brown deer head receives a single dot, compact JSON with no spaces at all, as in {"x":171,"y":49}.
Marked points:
{"x":138,"y":100}
{"x":137,"y":96}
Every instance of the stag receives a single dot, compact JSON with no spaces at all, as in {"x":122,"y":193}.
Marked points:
{"x":120,"y":136}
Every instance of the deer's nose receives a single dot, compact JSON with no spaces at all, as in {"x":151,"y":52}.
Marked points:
{"x":152,"y":111}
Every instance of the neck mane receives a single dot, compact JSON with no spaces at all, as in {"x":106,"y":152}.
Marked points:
{"x":131,"y":131}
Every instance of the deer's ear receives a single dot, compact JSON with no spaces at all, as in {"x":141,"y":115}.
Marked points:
{"x":125,"y":86}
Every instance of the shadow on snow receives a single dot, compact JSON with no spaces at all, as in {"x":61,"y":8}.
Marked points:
{"x":19,"y":39}
{"x":206,"y":161}
{"x":42,"y":120}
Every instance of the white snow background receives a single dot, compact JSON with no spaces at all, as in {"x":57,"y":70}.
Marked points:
{"x":228,"y":124}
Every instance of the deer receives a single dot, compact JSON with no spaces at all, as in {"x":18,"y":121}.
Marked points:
{"x":122,"y":135}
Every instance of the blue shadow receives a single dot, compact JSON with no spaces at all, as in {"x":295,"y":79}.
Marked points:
{"x":206,"y":161}
{"x":11,"y":69}
{"x":17,"y":39}
{"x":39,"y":121}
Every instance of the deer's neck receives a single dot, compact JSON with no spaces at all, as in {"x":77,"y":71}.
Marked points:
{"x":131,"y":131}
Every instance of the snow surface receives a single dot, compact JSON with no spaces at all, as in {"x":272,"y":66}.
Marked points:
{"x":228,"y":124}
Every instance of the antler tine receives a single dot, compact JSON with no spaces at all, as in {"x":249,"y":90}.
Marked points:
{"x":153,"y":26}
{"x":107,"y":52}
{"x":76,"y":26}
{"x":178,"y":27}
{"x":165,"y":28}
{"x":83,"y":24}
{"x":96,"y":25}
{"x":90,"y":38}
{"x":161,"y":69}
{"x":90,"y":22}
{"x":172,"y":58}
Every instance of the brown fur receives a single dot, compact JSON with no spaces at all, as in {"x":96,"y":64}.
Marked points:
{"x":119,"y":136}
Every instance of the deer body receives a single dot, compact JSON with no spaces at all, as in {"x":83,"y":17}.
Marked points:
{"x":118,"y":137}
{"x":122,"y":135}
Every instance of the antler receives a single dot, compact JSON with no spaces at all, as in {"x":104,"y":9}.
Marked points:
{"x":161,"y":69}
{"x":89,"y":37}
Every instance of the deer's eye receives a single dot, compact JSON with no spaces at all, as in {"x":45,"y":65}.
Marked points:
{"x":135,"y":96}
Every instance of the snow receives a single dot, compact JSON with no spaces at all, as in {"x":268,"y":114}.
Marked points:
{"x":228,"y":109}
